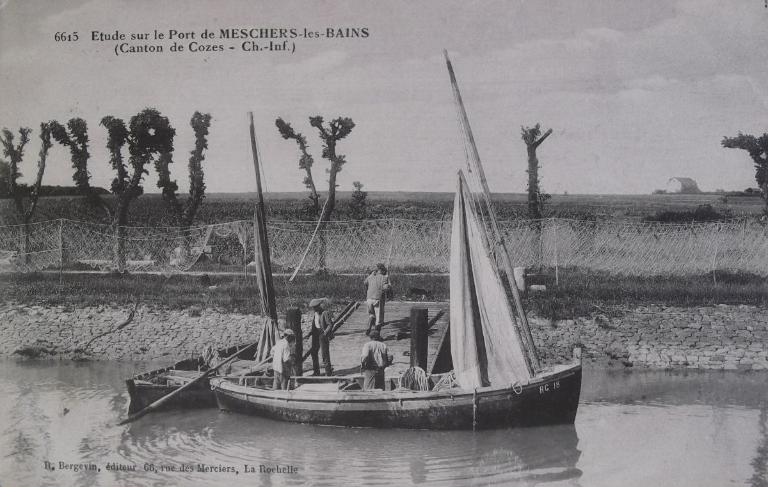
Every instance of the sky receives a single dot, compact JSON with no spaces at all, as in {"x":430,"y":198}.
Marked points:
{"x":635,"y":92}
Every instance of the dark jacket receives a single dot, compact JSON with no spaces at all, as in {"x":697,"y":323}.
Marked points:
{"x":326,"y":323}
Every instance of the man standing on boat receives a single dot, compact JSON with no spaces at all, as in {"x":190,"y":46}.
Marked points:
{"x":374,"y":359}
{"x":322,"y":332}
{"x":378,"y":284}
{"x":282,"y":360}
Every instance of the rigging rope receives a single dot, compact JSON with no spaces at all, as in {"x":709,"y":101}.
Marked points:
{"x":311,"y":239}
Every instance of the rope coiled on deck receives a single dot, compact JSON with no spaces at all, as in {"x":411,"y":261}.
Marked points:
{"x":415,"y":379}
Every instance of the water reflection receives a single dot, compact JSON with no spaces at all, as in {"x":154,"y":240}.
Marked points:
{"x":330,"y":455}
{"x":632,"y":429}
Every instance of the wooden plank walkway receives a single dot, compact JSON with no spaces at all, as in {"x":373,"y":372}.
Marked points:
{"x":396,"y":332}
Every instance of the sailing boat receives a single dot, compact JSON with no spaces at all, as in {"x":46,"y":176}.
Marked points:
{"x":147,"y":388}
{"x":497,"y":379}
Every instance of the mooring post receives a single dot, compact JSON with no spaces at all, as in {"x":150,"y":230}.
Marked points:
{"x":382,"y":302}
{"x":61,"y":248}
{"x":419,"y":328}
{"x":293,"y":322}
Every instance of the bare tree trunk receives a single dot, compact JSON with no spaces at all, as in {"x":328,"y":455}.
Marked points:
{"x":119,"y":245}
{"x":328,"y":208}
{"x":26,"y":241}
{"x":534,"y":204}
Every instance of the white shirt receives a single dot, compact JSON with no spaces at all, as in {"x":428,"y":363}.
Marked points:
{"x":378,"y":350}
{"x":281,"y":352}
{"x":317,"y":321}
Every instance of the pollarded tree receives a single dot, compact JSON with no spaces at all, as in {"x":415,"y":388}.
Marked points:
{"x":75,"y":137}
{"x":533,"y":138}
{"x":305,"y":162}
{"x":148,"y":134}
{"x":185,"y":213}
{"x":335,"y":131}
{"x":15,"y":154}
{"x":757,"y":148}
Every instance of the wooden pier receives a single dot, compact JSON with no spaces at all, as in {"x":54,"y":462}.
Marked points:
{"x":396,"y":333}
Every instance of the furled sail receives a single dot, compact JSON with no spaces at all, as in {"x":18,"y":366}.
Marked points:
{"x":486,"y":348}
{"x":262,"y":261}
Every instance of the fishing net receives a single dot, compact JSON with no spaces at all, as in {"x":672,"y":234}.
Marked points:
{"x":627,"y":248}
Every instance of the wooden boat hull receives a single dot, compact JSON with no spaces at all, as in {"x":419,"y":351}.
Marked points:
{"x":146,"y":388}
{"x":550,"y":399}
{"x":143,"y":394}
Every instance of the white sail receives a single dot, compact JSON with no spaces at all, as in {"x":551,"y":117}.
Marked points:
{"x":485,"y":346}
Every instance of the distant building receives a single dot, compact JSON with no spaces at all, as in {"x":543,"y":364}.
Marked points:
{"x":682,"y":186}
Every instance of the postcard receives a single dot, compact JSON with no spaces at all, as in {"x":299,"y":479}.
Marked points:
{"x":342,"y":242}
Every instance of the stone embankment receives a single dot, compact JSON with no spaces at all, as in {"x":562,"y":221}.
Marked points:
{"x":731,"y":337}
{"x":711,"y":337}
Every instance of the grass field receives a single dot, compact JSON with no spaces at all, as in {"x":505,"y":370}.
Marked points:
{"x":579,"y":293}
{"x":149,"y":210}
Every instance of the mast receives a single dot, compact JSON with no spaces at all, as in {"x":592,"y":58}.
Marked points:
{"x":498,"y":239}
{"x":261,"y":242}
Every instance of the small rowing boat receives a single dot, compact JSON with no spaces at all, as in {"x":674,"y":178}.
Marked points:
{"x":148,"y":387}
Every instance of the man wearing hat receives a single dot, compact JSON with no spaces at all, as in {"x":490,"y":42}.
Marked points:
{"x":374,"y":359}
{"x":282,"y":359}
{"x":378,"y":283}
{"x":322,"y":332}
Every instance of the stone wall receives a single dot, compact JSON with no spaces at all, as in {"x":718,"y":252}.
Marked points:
{"x":713,"y":337}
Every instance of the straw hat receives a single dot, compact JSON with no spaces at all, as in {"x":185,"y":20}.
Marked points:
{"x":287,"y":333}
{"x":318,"y":302}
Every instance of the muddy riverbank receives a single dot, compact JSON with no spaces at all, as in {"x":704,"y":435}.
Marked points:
{"x":728,"y":337}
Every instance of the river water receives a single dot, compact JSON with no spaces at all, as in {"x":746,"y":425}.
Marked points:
{"x":639,"y":428}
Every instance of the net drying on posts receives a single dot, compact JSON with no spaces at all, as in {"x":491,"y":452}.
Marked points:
{"x":640,"y":249}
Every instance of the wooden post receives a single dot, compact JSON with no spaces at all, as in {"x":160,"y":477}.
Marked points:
{"x":519,"y":275}
{"x":61,"y":248}
{"x":419,"y":328}
{"x":557,"y":266}
{"x":714,"y":263}
{"x":293,"y":322}
{"x":382,"y":302}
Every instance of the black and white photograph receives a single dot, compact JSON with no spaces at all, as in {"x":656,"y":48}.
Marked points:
{"x":359,"y":242}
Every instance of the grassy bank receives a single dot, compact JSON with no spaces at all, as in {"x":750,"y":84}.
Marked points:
{"x":578,"y":293}
{"x":231,"y":293}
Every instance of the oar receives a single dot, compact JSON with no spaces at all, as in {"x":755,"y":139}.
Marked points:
{"x":255,"y":367}
{"x":166,"y":398}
